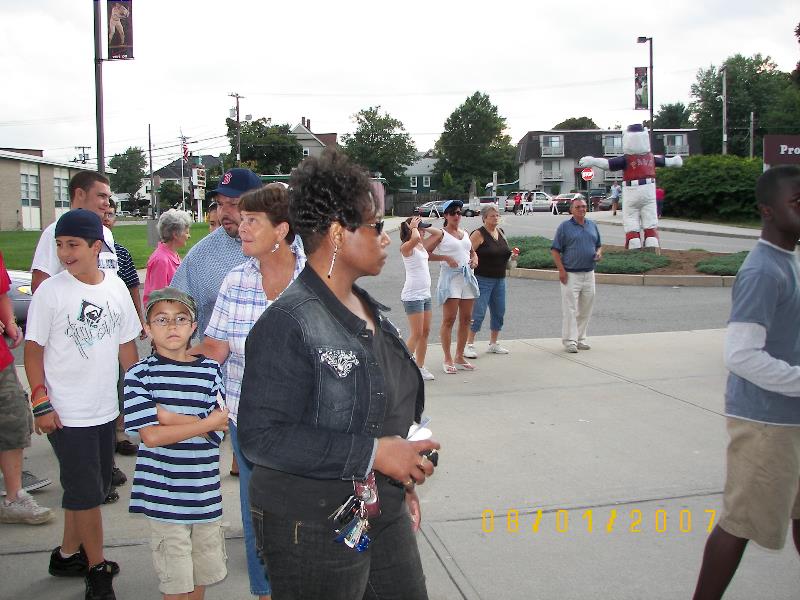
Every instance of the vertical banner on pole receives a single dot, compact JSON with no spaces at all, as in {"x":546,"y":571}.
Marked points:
{"x":641,"y":94}
{"x":120,"y":29}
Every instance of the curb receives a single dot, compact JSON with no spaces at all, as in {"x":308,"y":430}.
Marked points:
{"x":622,"y":279}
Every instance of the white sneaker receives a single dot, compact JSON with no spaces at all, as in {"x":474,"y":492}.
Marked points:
{"x":497,"y":349}
{"x":426,"y":375}
{"x":24,"y":510}
{"x":584,"y":346}
{"x":572,"y":348}
{"x":469,"y":351}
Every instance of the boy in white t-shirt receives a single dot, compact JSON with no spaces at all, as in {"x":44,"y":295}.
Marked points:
{"x":79,"y":322}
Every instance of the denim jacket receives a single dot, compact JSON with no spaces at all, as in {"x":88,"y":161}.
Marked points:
{"x":312,"y":400}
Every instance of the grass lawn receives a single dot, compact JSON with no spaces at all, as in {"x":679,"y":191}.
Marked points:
{"x":18,"y":246}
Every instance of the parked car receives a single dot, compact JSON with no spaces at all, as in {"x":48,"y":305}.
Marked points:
{"x":509,"y":203}
{"x":430,"y":209}
{"x":596,"y":195}
{"x":124,"y":213}
{"x":537,"y":202}
{"x":605,"y":203}
{"x":20,"y":294}
{"x":563,"y":201}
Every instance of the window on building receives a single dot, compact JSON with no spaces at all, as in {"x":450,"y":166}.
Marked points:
{"x":426,"y":181}
{"x":552,"y":145}
{"x":29,"y":185}
{"x":551,"y":169}
{"x":413,"y":181}
{"x":612,"y":144}
{"x":676,"y":143}
{"x":306,"y":151}
{"x":61,"y":187}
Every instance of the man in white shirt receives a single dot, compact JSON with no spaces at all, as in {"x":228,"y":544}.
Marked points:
{"x":88,"y":190}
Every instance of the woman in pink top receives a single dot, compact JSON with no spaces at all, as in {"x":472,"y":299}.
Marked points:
{"x":174,"y":231}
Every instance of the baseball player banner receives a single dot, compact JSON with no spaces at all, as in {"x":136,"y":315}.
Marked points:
{"x":120,"y":29}
{"x":641,"y":93}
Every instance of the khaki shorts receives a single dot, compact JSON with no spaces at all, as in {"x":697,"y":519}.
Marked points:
{"x":16,"y":420}
{"x":186,"y":556}
{"x":761,"y":486}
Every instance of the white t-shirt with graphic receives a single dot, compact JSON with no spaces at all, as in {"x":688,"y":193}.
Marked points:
{"x":81,"y":327}
{"x":45,"y":258}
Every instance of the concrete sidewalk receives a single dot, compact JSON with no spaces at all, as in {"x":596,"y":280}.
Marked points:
{"x":679,"y":226}
{"x":621,"y":448}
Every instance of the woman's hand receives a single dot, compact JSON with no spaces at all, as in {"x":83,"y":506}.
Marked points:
{"x":414,"y":509}
{"x":402,"y":461}
{"x":473,"y":261}
{"x":451,"y":262}
{"x":415,"y":221}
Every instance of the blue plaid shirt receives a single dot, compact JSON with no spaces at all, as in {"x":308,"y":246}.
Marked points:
{"x":203,"y":269}
{"x":240,"y":303}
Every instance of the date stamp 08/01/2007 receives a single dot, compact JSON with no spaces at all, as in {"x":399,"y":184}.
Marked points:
{"x":589,"y":521}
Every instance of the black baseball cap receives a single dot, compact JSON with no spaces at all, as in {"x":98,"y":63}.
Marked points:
{"x":81,"y":223}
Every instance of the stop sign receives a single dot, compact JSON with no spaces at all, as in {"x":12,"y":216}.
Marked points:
{"x":587,"y":174}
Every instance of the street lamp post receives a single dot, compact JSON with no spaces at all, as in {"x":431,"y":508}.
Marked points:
{"x":724,"y":72}
{"x":641,"y":40}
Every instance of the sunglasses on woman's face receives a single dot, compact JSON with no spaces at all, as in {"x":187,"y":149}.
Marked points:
{"x":455,"y":212}
{"x":377,"y":225}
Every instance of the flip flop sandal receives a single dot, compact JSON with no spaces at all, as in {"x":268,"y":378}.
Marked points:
{"x":464,"y":366}
{"x":449,"y":369}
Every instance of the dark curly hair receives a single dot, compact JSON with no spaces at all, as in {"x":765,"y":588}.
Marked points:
{"x":326,"y":190}
{"x":272,"y":200}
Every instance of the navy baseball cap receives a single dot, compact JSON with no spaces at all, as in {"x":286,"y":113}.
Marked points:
{"x":236,"y":182}
{"x":81,"y":223}
{"x":451,"y":204}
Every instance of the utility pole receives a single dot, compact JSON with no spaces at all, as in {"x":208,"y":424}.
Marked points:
{"x":98,"y":88}
{"x":238,"y":129}
{"x":184,"y":155}
{"x":724,"y":71}
{"x":153,"y":196}
{"x":752,"y":117}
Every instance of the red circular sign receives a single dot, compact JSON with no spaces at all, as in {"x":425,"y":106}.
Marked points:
{"x":587,"y":174}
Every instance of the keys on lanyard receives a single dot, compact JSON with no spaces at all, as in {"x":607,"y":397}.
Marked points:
{"x":352,"y":517}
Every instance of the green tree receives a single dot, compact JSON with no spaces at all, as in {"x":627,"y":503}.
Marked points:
{"x":473,"y":144}
{"x":753,"y":84}
{"x":796,"y":72}
{"x":381,"y":144}
{"x":673,"y":116}
{"x":577,"y":123}
{"x":268,"y":149}
{"x":169,"y":195}
{"x":130,"y":172}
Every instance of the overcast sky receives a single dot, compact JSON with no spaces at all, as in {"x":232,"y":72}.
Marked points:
{"x":539,"y":62}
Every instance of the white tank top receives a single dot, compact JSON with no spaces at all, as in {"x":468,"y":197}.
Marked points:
{"x":456,"y":248}
{"x":418,"y":276}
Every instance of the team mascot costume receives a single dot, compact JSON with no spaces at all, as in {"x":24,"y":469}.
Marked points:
{"x":638,"y":166}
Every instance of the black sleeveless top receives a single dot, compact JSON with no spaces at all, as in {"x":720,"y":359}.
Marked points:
{"x":493,"y":255}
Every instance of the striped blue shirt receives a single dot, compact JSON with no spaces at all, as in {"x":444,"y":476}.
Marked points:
{"x":177,"y":483}
{"x":577,"y":244}
{"x":127,"y":270}
{"x":240,"y":303}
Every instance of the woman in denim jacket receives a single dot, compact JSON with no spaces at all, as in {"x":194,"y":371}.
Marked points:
{"x":328,"y":396}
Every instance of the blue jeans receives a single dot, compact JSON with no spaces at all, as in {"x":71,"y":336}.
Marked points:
{"x":493,"y":297}
{"x":257,"y":572}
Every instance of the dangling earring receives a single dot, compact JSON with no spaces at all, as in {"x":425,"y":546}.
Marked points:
{"x":333,"y":260}
{"x":275,"y":248}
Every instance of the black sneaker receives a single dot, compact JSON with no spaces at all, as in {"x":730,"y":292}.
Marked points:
{"x":99,"y":583}
{"x":118,"y":477}
{"x":76,"y":565}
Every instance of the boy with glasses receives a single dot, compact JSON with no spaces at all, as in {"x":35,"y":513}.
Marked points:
{"x":171,"y":402}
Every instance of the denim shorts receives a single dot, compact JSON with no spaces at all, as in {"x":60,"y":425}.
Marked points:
{"x":417,"y":306}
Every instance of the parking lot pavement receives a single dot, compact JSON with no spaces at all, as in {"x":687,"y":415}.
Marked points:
{"x":621,"y":448}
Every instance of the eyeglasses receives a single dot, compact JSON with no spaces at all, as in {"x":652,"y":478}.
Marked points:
{"x":455,"y":212}
{"x":179,"y":320}
{"x":377,"y":225}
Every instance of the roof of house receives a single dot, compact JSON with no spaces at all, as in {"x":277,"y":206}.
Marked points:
{"x":24,"y":157}
{"x":173,"y":169}
{"x":421,"y":166}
